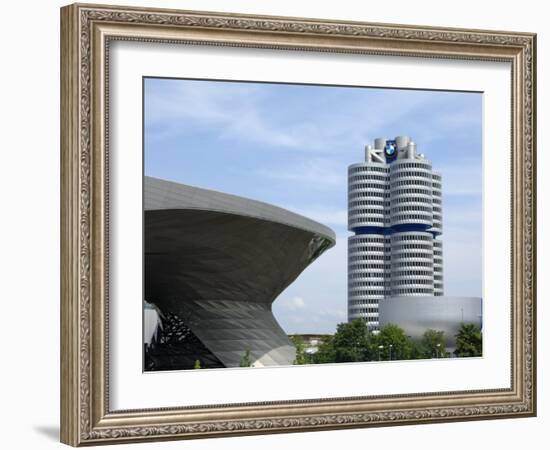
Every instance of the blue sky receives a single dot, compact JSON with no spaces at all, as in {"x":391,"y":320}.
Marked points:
{"x":290,"y":145}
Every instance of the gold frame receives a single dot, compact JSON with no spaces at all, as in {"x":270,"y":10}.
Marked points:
{"x":86,"y":31}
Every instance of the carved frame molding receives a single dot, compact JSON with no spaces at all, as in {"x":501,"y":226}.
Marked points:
{"x":86,"y":31}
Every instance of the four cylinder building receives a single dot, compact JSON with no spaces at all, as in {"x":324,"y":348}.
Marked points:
{"x":394,"y":211}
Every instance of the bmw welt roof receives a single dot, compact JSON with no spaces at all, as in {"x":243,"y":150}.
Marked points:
{"x":162,"y":194}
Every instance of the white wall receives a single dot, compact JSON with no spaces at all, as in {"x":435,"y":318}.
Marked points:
{"x":29,"y":228}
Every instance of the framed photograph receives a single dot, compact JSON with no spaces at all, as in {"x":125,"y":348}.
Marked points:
{"x":276,"y":224}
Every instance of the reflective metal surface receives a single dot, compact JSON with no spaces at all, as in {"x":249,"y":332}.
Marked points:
{"x":418,"y":314}
{"x":218,"y":261}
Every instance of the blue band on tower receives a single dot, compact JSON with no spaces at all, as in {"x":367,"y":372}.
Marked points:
{"x":373,"y":230}
{"x":386,"y":231}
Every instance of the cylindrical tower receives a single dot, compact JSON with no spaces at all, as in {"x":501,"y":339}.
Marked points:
{"x":438,"y":267}
{"x":411,"y":217}
{"x":412,"y":263}
{"x":366,"y":276}
{"x":411,"y":194}
{"x":368,"y":194}
{"x":436,"y":230}
{"x":394,"y":211}
{"x":437,"y":226}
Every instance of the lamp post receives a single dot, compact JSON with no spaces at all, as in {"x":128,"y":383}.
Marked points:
{"x":380,"y":347}
{"x":438,"y":345}
{"x":391,"y":346}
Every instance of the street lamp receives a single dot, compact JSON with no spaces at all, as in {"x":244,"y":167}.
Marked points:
{"x":391,"y":346}
{"x":380,"y":347}
{"x":438,"y":345}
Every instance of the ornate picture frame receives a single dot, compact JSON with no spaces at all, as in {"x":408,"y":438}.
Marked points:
{"x":87,"y":31}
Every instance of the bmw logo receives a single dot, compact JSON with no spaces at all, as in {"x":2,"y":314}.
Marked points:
{"x":390,"y":149}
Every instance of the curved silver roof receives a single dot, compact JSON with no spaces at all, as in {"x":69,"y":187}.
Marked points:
{"x":218,"y":262}
{"x":162,"y":194}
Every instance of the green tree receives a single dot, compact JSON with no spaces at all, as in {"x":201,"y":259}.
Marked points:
{"x":325,"y":352}
{"x":350,"y":341}
{"x":302,"y":357}
{"x":390,"y":343}
{"x":418,"y":351}
{"x":433,"y":343}
{"x":246,"y":361}
{"x":468,"y":341}
{"x":197,"y":364}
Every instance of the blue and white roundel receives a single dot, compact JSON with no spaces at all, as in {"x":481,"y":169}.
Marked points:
{"x":390,"y":148}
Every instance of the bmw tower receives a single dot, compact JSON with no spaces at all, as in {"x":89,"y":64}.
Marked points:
{"x":394,"y":213}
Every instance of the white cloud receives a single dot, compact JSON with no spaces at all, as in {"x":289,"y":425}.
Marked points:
{"x":325,"y":283}
{"x":244,"y":112}
{"x":323,"y":214}
{"x":462,"y":250}
{"x":292,"y":303}
{"x":229,"y":111}
{"x":462,"y":268}
{"x":317,"y":172}
{"x":464,"y":179}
